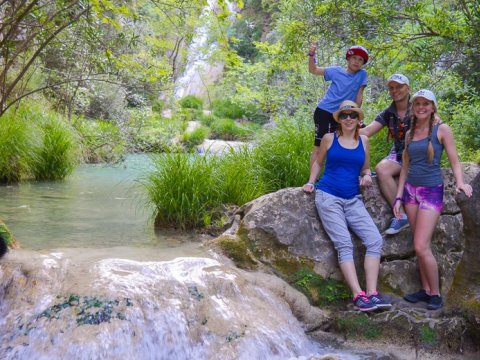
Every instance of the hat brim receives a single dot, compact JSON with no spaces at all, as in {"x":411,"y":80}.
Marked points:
{"x":357,"y":110}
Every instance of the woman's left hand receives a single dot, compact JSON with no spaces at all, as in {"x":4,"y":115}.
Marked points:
{"x":466,"y":188}
{"x":366,"y":180}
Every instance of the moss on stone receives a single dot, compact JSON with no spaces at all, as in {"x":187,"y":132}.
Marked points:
{"x":357,"y":326}
{"x":236,"y":249}
{"x":7,"y":236}
{"x":319,"y":290}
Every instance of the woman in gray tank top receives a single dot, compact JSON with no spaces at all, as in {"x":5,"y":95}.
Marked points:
{"x":420,"y":188}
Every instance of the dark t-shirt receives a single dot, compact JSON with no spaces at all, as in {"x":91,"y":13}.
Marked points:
{"x":397,"y":127}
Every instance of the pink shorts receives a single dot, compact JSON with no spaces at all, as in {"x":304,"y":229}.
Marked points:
{"x":426,"y":197}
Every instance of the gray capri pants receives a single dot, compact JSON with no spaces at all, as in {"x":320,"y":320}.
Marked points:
{"x":337,"y":215}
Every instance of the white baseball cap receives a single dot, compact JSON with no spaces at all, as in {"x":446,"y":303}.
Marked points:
{"x":399,"y":78}
{"x":424,"y":93}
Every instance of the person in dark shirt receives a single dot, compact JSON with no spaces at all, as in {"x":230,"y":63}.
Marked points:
{"x":396,"y":118}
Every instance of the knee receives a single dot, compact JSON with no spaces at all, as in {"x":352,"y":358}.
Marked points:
{"x":345,"y":253}
{"x":382,"y":171}
{"x":422,"y":250}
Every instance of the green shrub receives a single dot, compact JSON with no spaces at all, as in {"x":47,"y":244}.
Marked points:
{"x":466,"y":129}
{"x":191,"y":102}
{"x":158,"y":106}
{"x":184,"y":115}
{"x":101,"y":140}
{"x":153,"y":133}
{"x":208,"y":120}
{"x":225,"y":108}
{"x":56,"y":157}
{"x":227,"y":129}
{"x":196,"y":137}
{"x":182,"y":189}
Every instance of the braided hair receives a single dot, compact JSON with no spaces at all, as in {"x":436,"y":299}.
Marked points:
{"x":430,"y":151}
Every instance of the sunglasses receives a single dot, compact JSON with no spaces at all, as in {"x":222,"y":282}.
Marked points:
{"x":344,"y":116}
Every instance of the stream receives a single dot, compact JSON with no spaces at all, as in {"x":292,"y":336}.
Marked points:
{"x":93,"y":280}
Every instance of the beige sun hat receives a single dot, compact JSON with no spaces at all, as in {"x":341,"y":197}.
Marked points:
{"x":348,"y":105}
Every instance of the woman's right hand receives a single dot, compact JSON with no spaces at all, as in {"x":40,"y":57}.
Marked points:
{"x":396,"y":208}
{"x":308,"y":187}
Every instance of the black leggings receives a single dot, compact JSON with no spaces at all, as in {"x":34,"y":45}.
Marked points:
{"x":324,"y":123}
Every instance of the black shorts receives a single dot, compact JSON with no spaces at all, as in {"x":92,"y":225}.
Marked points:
{"x":324,"y":123}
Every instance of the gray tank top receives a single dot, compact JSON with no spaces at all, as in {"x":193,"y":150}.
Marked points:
{"x":421,"y":172}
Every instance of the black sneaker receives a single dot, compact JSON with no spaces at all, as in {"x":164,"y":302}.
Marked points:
{"x":362,"y":302}
{"x":435,"y":302}
{"x":420,"y":295}
{"x":379,"y":301}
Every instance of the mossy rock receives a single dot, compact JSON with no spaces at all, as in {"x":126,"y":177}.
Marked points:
{"x":6,"y":237}
{"x":237,"y":250}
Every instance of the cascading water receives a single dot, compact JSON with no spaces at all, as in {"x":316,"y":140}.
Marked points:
{"x":92,"y":283}
{"x":186,"y":308}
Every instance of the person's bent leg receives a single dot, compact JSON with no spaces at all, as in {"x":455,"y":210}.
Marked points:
{"x":332,"y":216}
{"x":361,"y":223}
{"x":387,"y":170}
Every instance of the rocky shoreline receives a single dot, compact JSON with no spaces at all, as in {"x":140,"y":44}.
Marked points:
{"x":281,"y":233}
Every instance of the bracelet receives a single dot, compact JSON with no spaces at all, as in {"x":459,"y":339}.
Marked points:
{"x":311,"y":54}
{"x":397,"y":199}
{"x":310,"y":183}
{"x":367,"y":174}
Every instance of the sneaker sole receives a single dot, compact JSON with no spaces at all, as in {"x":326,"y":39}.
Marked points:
{"x":410,"y":300}
{"x":384,"y":306}
{"x":393,"y":231}
{"x":366,"y":310}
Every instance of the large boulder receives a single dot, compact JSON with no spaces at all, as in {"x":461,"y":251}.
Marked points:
{"x":283,"y":231}
{"x":465,"y":290}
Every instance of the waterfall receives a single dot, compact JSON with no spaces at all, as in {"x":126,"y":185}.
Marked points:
{"x":199,"y":72}
{"x":60,"y":307}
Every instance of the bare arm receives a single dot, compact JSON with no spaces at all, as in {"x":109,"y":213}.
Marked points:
{"x":366,"y":173}
{"x":317,"y":165}
{"x":312,"y":67}
{"x":359,"y":98}
{"x":445,"y":136}
{"x":371,"y":129}
{"x":401,"y":184}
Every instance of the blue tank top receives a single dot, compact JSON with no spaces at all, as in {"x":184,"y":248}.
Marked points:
{"x":421,"y":172}
{"x":342,"y":170}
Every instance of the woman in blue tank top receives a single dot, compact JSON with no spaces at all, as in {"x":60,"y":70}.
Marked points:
{"x":420,"y":189}
{"x":340,"y":206}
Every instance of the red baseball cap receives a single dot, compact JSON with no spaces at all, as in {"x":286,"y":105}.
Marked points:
{"x":357,"y":50}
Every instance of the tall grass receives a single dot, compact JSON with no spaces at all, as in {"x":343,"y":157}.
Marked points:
{"x":182,"y":189}
{"x":35,"y":142}
{"x":228,"y":129}
{"x":16,"y":141}
{"x":186,"y":189}
{"x":57,"y":155}
{"x":237,"y":178}
{"x":281,"y":155}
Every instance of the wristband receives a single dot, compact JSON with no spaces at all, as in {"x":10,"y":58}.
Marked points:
{"x":310,"y":183}
{"x":311,"y":54}
{"x":397,"y":199}
{"x":368,"y":174}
